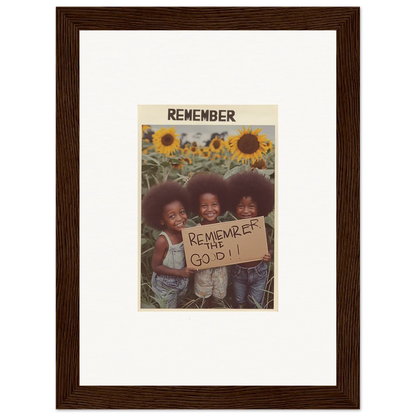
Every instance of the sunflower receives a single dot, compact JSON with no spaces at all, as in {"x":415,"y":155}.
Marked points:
{"x":205,"y":151}
{"x":145,"y":128}
{"x":195,"y":150}
{"x":259,"y":164}
{"x":185,"y":151}
{"x":166,"y":141}
{"x":228,"y":143}
{"x":216,"y":144}
{"x":248,"y":145}
{"x":269,"y":144}
{"x":182,"y":161}
{"x":216,"y":156}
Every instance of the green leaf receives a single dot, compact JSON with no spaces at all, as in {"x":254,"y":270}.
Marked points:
{"x":270,"y":219}
{"x":155,"y":234}
{"x":190,"y":223}
{"x":175,"y":161}
{"x":148,"y":158}
{"x":149,"y":168}
{"x":148,"y":306}
{"x":236,"y":169}
{"x":161,"y":301}
{"x":256,"y":303}
{"x":147,"y":251}
{"x":266,"y":172}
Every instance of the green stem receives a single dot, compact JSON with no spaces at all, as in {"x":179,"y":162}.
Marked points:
{"x":167,"y":176}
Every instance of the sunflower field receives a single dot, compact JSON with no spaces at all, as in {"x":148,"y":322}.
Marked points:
{"x":166,"y":155}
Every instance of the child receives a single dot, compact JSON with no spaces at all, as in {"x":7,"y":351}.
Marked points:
{"x":208,"y":192}
{"x":250,"y":194}
{"x":164,"y":208}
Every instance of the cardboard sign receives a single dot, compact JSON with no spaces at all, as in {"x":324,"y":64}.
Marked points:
{"x":225,"y":243}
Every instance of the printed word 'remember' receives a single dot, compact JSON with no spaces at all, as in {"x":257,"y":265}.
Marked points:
{"x":180,"y":114}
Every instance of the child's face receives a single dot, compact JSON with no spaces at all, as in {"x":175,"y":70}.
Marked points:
{"x":174,"y":216}
{"x":246,"y":208}
{"x":209,"y":207}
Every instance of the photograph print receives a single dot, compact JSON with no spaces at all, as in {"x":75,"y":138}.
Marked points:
{"x":208,"y":208}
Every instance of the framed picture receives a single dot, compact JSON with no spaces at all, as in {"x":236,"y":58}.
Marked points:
{"x":118,"y":345}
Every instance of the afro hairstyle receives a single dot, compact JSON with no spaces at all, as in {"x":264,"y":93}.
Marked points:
{"x":254,"y":185}
{"x":204,"y":183}
{"x":157,"y":197}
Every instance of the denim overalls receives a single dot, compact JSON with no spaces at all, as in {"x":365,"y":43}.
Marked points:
{"x":171,"y":288}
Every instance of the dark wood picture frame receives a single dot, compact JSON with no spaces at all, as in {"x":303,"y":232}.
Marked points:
{"x":69,"y":394}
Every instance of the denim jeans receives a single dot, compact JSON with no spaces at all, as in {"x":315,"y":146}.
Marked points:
{"x":249,"y":283}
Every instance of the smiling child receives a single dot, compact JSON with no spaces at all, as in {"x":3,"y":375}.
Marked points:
{"x":165,"y":208}
{"x":250,"y":195}
{"x":208,"y":192}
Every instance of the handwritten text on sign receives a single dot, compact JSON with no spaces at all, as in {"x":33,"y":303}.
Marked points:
{"x":225,"y":243}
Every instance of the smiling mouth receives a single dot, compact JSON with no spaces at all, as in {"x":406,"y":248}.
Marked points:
{"x":180,"y":225}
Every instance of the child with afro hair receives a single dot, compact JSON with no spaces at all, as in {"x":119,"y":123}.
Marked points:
{"x":208,"y":193}
{"x":164,"y":207}
{"x":250,"y":194}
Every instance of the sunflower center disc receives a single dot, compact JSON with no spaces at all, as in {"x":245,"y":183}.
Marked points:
{"x":167,"y":139}
{"x":216,"y":144}
{"x":248,"y":144}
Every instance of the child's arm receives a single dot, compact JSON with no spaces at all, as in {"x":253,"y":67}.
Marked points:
{"x":159,"y":253}
{"x":267,"y":257}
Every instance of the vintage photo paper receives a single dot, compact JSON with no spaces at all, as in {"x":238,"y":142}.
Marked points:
{"x":207,"y":209}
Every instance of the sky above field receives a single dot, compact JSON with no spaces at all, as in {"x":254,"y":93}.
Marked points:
{"x":202,"y":134}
